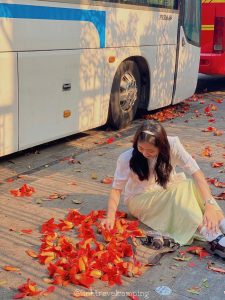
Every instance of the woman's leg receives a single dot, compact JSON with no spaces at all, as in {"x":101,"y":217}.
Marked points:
{"x":173,"y":211}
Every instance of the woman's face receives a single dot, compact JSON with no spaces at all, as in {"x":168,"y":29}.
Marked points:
{"x":147,"y":150}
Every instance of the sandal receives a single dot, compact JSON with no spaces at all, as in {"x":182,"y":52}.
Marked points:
{"x":157,"y":240}
{"x":216,"y":248}
{"x":150,"y":257}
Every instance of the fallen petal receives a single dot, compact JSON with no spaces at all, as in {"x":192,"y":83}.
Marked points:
{"x":11,"y":268}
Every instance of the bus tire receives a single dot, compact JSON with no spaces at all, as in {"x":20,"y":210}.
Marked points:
{"x":125,"y":95}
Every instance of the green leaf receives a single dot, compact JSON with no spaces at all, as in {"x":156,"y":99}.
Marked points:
{"x":194,"y":290}
{"x":183,"y":258}
{"x":205,"y":283}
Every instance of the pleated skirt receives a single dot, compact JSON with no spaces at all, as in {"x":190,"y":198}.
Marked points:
{"x":176,"y":211}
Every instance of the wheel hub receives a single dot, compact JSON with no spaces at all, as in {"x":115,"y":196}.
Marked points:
{"x":128,"y":91}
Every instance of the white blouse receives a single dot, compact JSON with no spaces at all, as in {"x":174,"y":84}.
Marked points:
{"x":126,"y":180}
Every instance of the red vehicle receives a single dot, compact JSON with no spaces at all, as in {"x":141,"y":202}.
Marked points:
{"x":213,"y":37}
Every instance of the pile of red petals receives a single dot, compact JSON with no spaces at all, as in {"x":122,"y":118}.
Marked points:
{"x":30,"y":289}
{"x":169,"y":113}
{"x":194,"y":98}
{"x":97,"y":253}
{"x":24,"y":191}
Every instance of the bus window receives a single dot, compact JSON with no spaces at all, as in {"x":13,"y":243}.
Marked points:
{"x":170,"y":4}
{"x":191,"y":21}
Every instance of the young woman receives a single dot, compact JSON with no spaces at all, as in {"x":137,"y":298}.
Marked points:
{"x":161,"y":198}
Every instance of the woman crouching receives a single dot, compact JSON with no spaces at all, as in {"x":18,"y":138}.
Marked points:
{"x":159,"y":197}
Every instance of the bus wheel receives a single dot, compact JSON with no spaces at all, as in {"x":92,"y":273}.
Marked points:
{"x":125,"y":95}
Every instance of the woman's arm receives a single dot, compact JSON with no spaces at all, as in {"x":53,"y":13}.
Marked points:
{"x":113,"y":202}
{"x":203,"y":186}
{"x":212,"y":214}
{"x":121,"y":176}
{"x":211,"y":217}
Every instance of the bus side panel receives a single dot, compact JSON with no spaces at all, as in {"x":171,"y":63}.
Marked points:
{"x":159,"y":60}
{"x":151,"y":34}
{"x":133,"y":27}
{"x":45,"y":107}
{"x":26,"y":34}
{"x":60,"y":27}
{"x":161,"y":74}
{"x":120,"y":55}
{"x":8,"y":103}
{"x":187,"y":71}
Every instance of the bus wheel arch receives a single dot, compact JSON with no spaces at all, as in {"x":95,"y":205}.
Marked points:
{"x":145,"y":81}
{"x":126,"y":92}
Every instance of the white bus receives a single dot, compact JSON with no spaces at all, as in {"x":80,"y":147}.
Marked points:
{"x":68,"y":65}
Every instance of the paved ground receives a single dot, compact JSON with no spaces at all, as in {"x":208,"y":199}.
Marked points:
{"x":45,"y":169}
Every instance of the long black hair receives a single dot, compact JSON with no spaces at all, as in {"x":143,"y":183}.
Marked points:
{"x":153,"y":133}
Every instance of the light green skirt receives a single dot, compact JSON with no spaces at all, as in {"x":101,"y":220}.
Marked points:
{"x":177,"y":210}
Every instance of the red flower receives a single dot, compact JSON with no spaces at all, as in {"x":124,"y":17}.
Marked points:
{"x":24,"y":190}
{"x":30,"y":289}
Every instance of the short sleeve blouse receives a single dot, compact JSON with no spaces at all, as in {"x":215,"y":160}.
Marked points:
{"x":126,"y":180}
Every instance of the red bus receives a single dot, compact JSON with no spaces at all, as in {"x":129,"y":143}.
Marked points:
{"x":213,"y":37}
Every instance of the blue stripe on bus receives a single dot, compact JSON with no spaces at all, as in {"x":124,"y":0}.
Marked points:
{"x":20,"y":11}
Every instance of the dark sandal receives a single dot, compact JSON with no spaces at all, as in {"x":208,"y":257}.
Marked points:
{"x":216,"y":248}
{"x":156,"y":241}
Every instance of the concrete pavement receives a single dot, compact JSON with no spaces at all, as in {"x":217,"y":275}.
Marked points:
{"x":48,"y":173}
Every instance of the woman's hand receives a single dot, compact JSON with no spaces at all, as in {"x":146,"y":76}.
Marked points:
{"x":114,"y":198}
{"x":108,"y":222}
{"x":211,"y":218}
